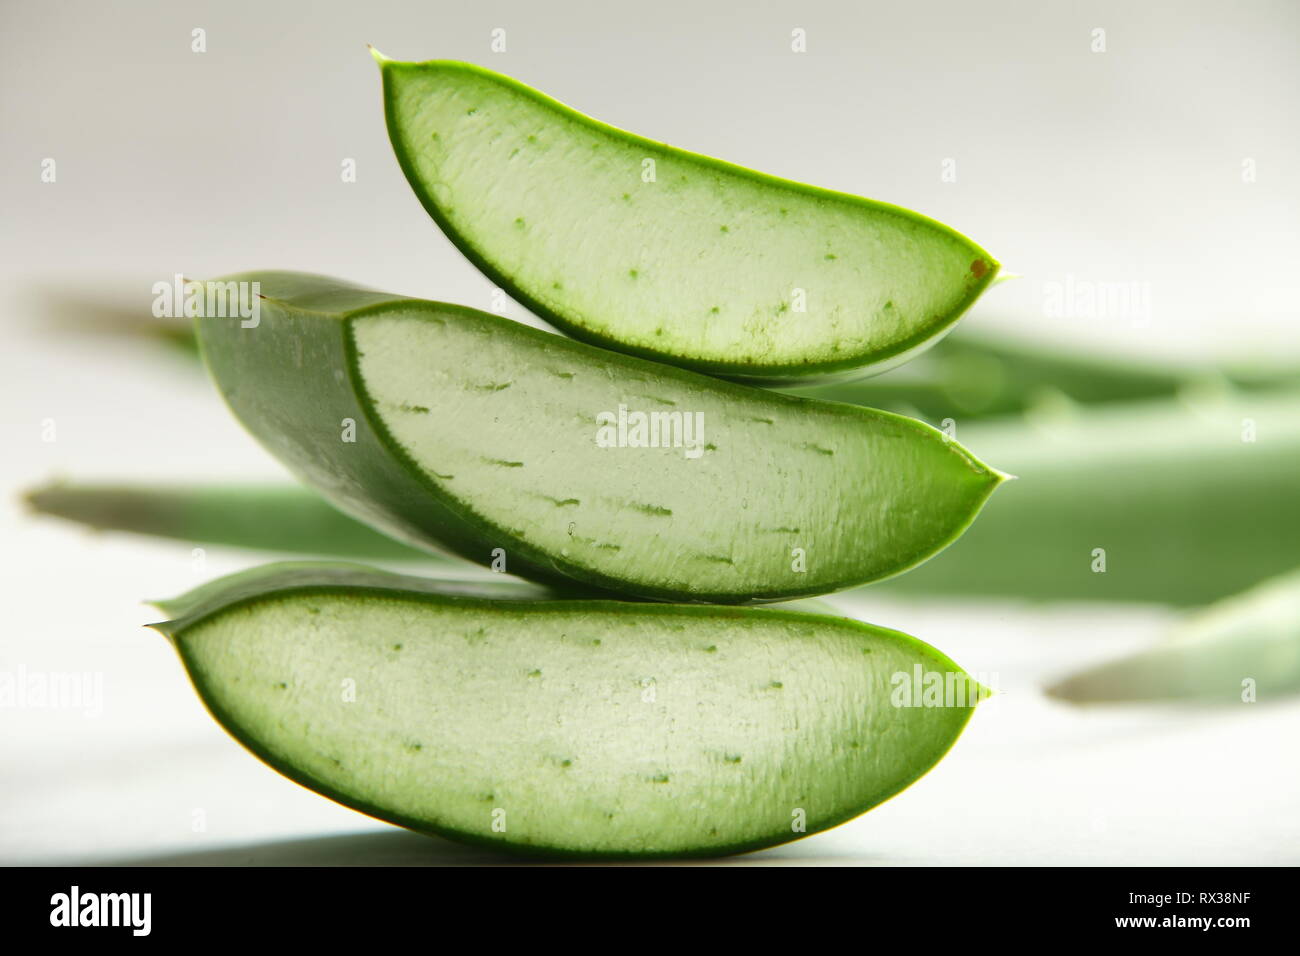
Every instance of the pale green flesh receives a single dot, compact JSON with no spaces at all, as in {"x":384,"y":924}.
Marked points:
{"x":591,"y":729}
{"x":784,"y":498}
{"x":709,"y":266}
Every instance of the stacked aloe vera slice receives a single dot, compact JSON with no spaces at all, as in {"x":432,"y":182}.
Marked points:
{"x":623,"y":703}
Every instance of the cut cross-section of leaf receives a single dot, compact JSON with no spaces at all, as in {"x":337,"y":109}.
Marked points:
{"x":641,"y":247}
{"x":573,"y":728}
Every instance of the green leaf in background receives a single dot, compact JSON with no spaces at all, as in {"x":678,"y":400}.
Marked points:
{"x":573,"y":728}
{"x":1115,"y":490}
{"x":1242,"y":649}
{"x":452,"y":428}
{"x":1174,"y":502}
{"x":263,"y":517}
{"x":966,"y":377}
{"x":637,"y":246}
{"x":109,"y":309}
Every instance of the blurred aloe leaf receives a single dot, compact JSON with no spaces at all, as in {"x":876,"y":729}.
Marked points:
{"x":262,"y":517}
{"x":965,"y":377}
{"x":106,"y":308}
{"x":1244,"y":648}
{"x":280,"y":518}
{"x":1188,"y":502}
{"x":1180,"y":502}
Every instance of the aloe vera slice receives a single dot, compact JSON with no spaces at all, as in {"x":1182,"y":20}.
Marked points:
{"x":264,"y":517}
{"x":578,"y":728}
{"x":1244,"y":648}
{"x":641,"y":247}
{"x":452,"y":428}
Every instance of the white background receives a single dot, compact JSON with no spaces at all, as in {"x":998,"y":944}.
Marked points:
{"x":1122,"y":166}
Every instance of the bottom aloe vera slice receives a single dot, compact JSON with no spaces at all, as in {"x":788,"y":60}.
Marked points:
{"x":451,"y":428}
{"x":580,"y":728}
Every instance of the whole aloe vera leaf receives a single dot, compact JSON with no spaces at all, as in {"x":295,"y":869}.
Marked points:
{"x":1171,"y":502}
{"x":637,"y":246}
{"x":262,"y":517}
{"x":452,"y":428}
{"x":1114,"y":491}
{"x":596,"y":729}
{"x":965,"y":377}
{"x":1243,"y":648}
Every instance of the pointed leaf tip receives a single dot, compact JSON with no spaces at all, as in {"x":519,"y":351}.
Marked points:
{"x":1062,"y":690}
{"x":32,"y":498}
{"x":165,"y":629}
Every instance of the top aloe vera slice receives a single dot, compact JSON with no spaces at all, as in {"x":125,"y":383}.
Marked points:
{"x":455,"y":429}
{"x":503,"y":717}
{"x":641,"y":247}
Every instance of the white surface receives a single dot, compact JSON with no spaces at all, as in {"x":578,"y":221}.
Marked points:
{"x":1106,"y":167}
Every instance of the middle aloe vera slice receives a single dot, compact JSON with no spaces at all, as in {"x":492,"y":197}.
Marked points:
{"x":454,"y":429}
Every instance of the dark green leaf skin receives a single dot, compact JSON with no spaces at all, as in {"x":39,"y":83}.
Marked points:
{"x":474,"y":701}
{"x":290,"y":576}
{"x":287,"y":381}
{"x":889,"y":495}
{"x":656,"y":274}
